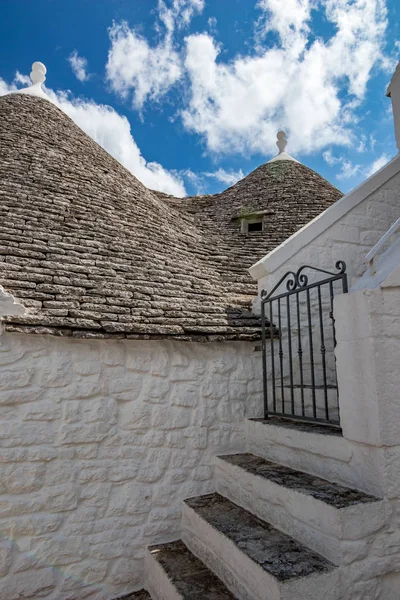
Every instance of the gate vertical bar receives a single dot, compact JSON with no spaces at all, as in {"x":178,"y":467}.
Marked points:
{"x":310,"y":339}
{"x":323,"y":353}
{"x":300,"y":353}
{"x":290,"y":354}
{"x":271,"y":320}
{"x":264,"y":359}
{"x":281,"y":355}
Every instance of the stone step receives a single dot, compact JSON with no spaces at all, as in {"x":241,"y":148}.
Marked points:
{"x":333,"y":520}
{"x":315,"y":449}
{"x":253,"y":559}
{"x":173,"y":572}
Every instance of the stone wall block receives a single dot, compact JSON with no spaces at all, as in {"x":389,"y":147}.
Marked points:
{"x":85,"y":451}
{"x":67,"y":549}
{"x":87,"y":571}
{"x":6,"y":552}
{"x":216,"y":387}
{"x":93,"y":473}
{"x":198,"y":436}
{"x":154,"y":465}
{"x":134,"y":416}
{"x":187,"y":459}
{"x":57,"y":372}
{"x":124,"y":385}
{"x":26,"y":434}
{"x":96,"y":494}
{"x":152,"y":439}
{"x":81,"y":388}
{"x":11,"y":353}
{"x":29,"y":584}
{"x":59,"y":498}
{"x":19,"y":396}
{"x":138,"y":361}
{"x":23,"y":478}
{"x":160,"y":362}
{"x":126,"y":470}
{"x":171,"y":417}
{"x":176,"y":439}
{"x":111,"y":354}
{"x":84,"y":433}
{"x":156,"y":390}
{"x":126,"y":572}
{"x":347,"y":233}
{"x":16,"y":378}
{"x":102,"y":410}
{"x":72,"y":411}
{"x":87,"y":367}
{"x":32,"y":454}
{"x":185,"y":394}
{"x":41,"y":411}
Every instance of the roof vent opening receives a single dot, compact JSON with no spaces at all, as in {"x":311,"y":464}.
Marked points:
{"x":252,"y":224}
{"x":256,"y":226}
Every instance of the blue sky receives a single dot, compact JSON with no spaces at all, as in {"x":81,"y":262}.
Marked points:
{"x":189,"y":94}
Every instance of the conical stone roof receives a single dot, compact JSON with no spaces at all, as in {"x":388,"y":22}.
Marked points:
{"x":88,"y":249}
{"x":91,"y":252}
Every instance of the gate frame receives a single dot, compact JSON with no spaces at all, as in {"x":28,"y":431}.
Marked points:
{"x":296,"y":283}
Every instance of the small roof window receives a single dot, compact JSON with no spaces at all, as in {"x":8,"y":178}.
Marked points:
{"x":252,"y":220}
{"x":256,"y":226}
{"x":252,"y":224}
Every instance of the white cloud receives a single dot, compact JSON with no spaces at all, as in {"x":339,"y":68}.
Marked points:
{"x":179,"y":13}
{"x":6,"y":88}
{"x":228,"y":177}
{"x":79,"y":66}
{"x":200,"y":183}
{"x":289,"y":19}
{"x":196,"y":180}
{"x":135,"y":67}
{"x":113,"y":132}
{"x":145,"y":71}
{"x":212,"y":24}
{"x":377,"y":164}
{"x":347,"y":167}
{"x":305,"y":84}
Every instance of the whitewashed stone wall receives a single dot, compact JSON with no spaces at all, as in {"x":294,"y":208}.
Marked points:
{"x":99,"y":443}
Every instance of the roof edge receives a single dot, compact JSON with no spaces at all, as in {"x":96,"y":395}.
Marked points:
{"x":272,"y":261}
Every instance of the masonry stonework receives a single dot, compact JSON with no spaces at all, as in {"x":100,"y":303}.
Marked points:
{"x":101,"y":441}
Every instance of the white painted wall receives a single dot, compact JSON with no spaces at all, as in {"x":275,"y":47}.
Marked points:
{"x":100,"y":441}
{"x":368,"y":355}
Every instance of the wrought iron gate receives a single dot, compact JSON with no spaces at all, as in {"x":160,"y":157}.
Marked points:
{"x":298,"y":339}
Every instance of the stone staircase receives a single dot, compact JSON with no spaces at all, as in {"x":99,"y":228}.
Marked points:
{"x":287,"y":522}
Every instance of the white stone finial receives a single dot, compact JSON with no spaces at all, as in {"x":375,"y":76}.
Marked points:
{"x":38,"y":73}
{"x":394,"y":94}
{"x":38,"y":76}
{"x":281,"y":141}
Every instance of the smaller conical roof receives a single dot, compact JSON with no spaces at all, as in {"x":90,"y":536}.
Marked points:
{"x":284,"y":193}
